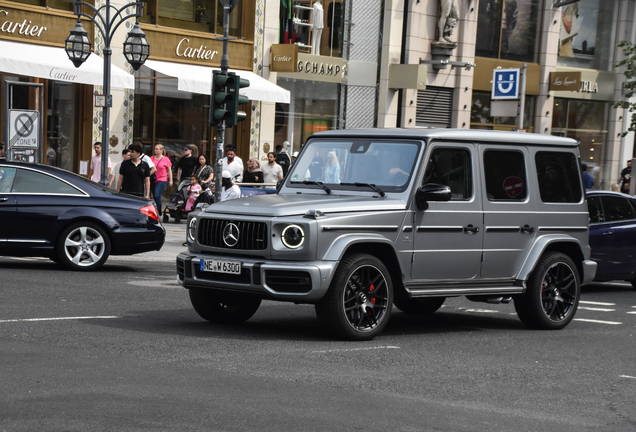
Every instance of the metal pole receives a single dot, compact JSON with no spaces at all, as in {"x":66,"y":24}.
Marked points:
{"x":106,"y":110}
{"x":225,"y":65}
{"x":522,"y":108}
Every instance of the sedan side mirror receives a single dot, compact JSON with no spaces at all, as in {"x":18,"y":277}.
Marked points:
{"x":431,"y":192}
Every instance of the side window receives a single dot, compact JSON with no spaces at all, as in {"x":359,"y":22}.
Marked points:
{"x":505,"y":175}
{"x":617,"y":209}
{"x":27,"y":181}
{"x":451,"y":167}
{"x":6,"y":179}
{"x":596,"y":209}
{"x":559,"y":177}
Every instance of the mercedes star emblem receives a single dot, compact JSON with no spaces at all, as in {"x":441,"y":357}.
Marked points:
{"x":230,"y":235}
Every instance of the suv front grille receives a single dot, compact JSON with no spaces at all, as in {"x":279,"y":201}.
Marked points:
{"x":251,"y":235}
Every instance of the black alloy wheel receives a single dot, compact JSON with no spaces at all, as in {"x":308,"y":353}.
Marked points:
{"x":358,"y":303}
{"x":552,"y":293}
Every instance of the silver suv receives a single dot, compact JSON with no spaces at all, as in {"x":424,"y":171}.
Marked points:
{"x":368,"y":219}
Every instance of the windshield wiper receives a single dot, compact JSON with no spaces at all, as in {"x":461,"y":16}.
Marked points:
{"x":311,"y":182}
{"x":369,"y":185}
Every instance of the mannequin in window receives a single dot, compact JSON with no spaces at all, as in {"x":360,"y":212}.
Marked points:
{"x":317,"y":20}
{"x":286,"y":21}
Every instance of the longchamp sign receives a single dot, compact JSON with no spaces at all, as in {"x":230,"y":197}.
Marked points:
{"x":319,"y":68}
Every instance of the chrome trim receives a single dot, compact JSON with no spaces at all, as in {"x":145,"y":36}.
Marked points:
{"x":361,"y":227}
{"x":562,"y":228}
{"x":24,"y":241}
{"x":439,"y":292}
{"x":435,"y":228}
{"x":407,"y":229}
{"x":503,"y":229}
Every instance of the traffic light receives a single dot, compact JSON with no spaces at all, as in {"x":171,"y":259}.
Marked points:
{"x":234,"y":86}
{"x":220,"y":99}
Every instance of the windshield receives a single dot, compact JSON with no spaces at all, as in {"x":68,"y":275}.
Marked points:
{"x":341,"y":164}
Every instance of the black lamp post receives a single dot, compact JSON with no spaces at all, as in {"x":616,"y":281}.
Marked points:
{"x":136,"y":51}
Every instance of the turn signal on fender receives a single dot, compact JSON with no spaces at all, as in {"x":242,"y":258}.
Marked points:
{"x":151,"y":212}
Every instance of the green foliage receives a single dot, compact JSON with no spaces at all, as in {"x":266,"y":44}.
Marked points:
{"x":629,"y":50}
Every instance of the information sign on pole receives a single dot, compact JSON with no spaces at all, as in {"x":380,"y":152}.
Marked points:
{"x":24,"y":128}
{"x":505,"y":84}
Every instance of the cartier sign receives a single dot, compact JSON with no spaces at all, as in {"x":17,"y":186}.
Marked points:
{"x":568,"y":81}
{"x":20,"y":28}
{"x":201,"y":52}
{"x":284,"y":58}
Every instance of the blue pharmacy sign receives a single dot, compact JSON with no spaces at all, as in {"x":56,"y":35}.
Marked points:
{"x":505,"y":84}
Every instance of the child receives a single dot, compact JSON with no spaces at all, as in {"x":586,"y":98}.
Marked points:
{"x":195,"y":190}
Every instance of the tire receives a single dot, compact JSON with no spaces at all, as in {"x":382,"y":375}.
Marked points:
{"x":419,"y":306}
{"x":230,"y":308}
{"x":83,"y":246}
{"x":552,"y":293}
{"x":358,"y":304}
{"x":166,"y":218}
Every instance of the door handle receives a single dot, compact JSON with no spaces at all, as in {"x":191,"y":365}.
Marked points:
{"x":607,"y":233}
{"x":3,"y":199}
{"x":471,"y":229}
{"x":527,"y":229}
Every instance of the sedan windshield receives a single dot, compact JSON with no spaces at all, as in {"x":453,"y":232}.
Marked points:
{"x":385,"y":165}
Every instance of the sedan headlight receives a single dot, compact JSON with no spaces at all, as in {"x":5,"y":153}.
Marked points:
{"x":192,"y":228}
{"x":293,"y":236}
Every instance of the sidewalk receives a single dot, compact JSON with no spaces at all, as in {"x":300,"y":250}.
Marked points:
{"x":175,"y":236}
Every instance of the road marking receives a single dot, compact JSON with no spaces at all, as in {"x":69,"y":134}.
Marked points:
{"x":597,"y":321}
{"x":632,"y":313}
{"x":355,"y":349}
{"x":597,"y":309}
{"x":481,"y":310}
{"x":626,"y":376}
{"x":597,"y":303}
{"x":58,"y":319}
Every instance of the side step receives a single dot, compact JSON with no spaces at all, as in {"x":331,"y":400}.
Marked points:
{"x":498,"y":291}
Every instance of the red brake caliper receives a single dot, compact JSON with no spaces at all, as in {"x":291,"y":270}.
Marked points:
{"x":371,"y":290}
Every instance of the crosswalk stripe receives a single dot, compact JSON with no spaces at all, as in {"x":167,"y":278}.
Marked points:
{"x":597,"y":303}
{"x":597,"y":309}
{"x":597,"y":321}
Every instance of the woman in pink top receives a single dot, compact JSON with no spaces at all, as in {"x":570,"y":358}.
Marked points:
{"x":164,"y":174}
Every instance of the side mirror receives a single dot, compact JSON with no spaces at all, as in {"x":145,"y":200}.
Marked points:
{"x":431,"y":192}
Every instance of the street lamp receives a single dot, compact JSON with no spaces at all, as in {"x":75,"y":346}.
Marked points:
{"x":136,"y":51}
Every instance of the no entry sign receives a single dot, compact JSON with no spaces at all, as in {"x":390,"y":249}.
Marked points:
{"x":24,"y":128}
{"x":513,"y":186}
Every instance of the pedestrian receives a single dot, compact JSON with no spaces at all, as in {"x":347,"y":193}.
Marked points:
{"x":230,"y":190}
{"x":588,"y":180}
{"x":95,"y":170}
{"x":134,"y":174}
{"x":626,"y":177}
{"x":204,"y":173}
{"x":194,"y":190}
{"x":272,"y":172}
{"x":233,"y":164}
{"x":1,"y":150}
{"x":114,"y":178}
{"x":332,"y":168}
{"x":294,"y":157}
{"x":317,"y":167}
{"x":254,"y":173}
{"x":186,"y":165}
{"x":163,"y":174}
{"x":282,"y":157}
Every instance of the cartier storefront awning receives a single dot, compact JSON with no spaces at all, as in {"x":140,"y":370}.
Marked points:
{"x":52,"y":63}
{"x":198,"y":79}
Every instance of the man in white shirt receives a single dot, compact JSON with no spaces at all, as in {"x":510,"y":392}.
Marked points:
{"x":230,"y":190}
{"x":233,"y":164}
{"x":272,"y":172}
{"x":95,"y":171}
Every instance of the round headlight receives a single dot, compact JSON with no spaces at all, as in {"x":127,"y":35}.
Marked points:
{"x":293,"y":236}
{"x":192,"y":228}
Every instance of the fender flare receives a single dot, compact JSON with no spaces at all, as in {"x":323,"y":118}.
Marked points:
{"x":540,"y":245}
{"x":87,"y":213}
{"x":339,"y":246}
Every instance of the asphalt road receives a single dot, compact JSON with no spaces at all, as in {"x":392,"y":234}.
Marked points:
{"x":122,"y":349}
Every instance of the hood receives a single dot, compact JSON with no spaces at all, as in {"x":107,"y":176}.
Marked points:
{"x":290,"y":205}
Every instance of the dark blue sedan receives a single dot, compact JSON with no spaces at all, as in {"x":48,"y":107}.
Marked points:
{"x":50,"y":212}
{"x":613,"y":235}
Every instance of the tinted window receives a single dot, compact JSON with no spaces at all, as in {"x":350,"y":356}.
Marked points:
{"x":559,"y":177}
{"x":27,"y":181}
{"x":505,"y":175}
{"x":617,"y":209}
{"x":596,"y":209}
{"x":451,"y":167}
{"x":6,"y":179}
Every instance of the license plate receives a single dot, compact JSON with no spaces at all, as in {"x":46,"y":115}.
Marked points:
{"x":221,"y":266}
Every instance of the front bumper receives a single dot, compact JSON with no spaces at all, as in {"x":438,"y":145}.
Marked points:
{"x":299,"y":281}
{"x":589,"y":271}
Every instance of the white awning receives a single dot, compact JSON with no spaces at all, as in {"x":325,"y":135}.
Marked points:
{"x":198,"y":79}
{"x":52,"y":63}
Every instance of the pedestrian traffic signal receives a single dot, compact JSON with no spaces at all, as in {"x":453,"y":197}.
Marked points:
{"x":236,"y":85}
{"x":220,"y":98}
